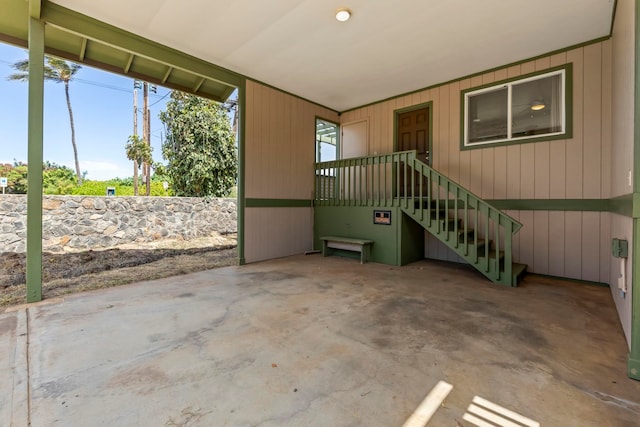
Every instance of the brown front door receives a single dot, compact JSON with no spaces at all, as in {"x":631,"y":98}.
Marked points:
{"x":413,"y":134}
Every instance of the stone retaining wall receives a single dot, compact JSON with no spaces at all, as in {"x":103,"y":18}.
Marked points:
{"x":72,"y":223}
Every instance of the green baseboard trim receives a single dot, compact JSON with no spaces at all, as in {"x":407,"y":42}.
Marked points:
{"x":622,"y":205}
{"x":627,"y":205}
{"x":566,"y":279}
{"x":279,"y":203}
{"x":581,"y":205}
{"x":633,"y":368}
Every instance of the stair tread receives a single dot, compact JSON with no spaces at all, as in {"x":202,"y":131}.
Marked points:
{"x":467,"y":243}
{"x":492,"y":254}
{"x":518,"y":268}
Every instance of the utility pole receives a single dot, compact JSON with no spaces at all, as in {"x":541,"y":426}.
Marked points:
{"x":136,"y":86}
{"x":148,"y":137}
{"x":145,"y":133}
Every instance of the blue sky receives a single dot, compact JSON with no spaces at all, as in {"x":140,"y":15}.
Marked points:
{"x":103,"y":114}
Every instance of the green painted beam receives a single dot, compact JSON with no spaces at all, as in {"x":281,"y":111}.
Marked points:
{"x":83,"y":48}
{"x":35,"y":8}
{"x":93,"y":29}
{"x":167,"y":74}
{"x":127,"y":67}
{"x":197,"y":87}
{"x":242,"y":124}
{"x":35,"y":157}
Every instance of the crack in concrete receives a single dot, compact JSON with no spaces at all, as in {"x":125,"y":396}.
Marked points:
{"x":28,"y":368}
{"x":613,"y":400}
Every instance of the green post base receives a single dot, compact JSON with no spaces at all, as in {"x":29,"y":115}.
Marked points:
{"x":633,"y":368}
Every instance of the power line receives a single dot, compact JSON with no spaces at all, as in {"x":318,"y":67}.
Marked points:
{"x":163,"y":97}
{"x":108,"y":86}
{"x":103,"y":85}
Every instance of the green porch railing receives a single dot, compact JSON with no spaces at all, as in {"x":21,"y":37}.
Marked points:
{"x":471,"y":227}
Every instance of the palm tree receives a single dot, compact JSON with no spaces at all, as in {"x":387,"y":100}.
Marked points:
{"x":59,"y":71}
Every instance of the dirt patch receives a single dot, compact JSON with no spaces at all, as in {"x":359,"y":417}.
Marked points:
{"x":88,"y":270}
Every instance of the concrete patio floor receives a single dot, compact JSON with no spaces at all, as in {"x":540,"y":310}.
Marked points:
{"x":312,"y":341}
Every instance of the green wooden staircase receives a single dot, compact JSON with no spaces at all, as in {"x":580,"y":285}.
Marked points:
{"x":478,"y":232}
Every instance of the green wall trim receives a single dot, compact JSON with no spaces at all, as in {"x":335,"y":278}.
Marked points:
{"x":587,"y":205}
{"x":491,"y":70}
{"x":622,"y":205}
{"x":633,"y":361}
{"x":627,"y":205}
{"x":566,"y":279}
{"x":568,"y":90}
{"x":613,"y":17}
{"x":35,"y":157}
{"x":241,"y":202}
{"x":279,"y":203}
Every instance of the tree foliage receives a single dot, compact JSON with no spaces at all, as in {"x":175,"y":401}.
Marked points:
{"x":56,"y":179}
{"x":123,"y":187}
{"x":61,"y":180}
{"x":138,"y":150}
{"x":58,"y":71}
{"x":16,"y":175}
{"x":199,"y":147}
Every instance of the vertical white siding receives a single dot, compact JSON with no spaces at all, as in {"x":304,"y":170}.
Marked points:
{"x":280,"y":152}
{"x":622,"y":72}
{"x":568,"y":244}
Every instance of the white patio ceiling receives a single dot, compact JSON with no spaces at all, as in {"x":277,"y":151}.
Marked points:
{"x":385,"y":49}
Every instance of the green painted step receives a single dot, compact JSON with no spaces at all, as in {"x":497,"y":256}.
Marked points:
{"x":460,"y":234}
{"x":440,"y":219}
{"x":480,"y":246}
{"x":518,"y":271}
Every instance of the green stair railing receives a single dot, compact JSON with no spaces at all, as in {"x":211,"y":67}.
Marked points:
{"x":471,"y":227}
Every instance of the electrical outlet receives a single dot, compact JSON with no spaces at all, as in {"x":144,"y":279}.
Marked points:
{"x":630,"y":178}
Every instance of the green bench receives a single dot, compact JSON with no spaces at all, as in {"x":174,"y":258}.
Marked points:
{"x":347,"y":244}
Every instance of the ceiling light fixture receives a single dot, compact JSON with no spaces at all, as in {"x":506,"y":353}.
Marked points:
{"x":343,"y":14}
{"x":537,"y":105}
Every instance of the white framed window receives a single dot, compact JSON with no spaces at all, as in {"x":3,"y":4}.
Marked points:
{"x":528,"y":109}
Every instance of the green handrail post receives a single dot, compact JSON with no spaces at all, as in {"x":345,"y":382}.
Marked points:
{"x":366,"y":181}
